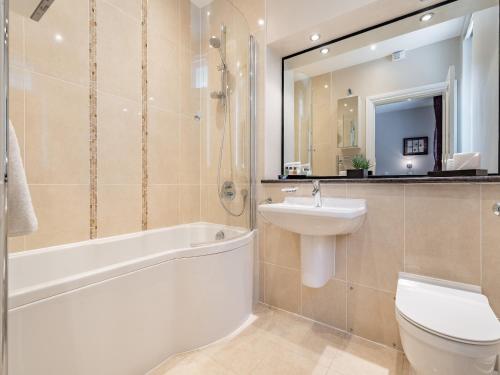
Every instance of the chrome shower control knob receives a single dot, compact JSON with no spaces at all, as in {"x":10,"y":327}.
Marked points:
{"x":496,"y":208}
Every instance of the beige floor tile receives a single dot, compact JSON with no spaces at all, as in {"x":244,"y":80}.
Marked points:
{"x":286,"y":362}
{"x":281,"y":343}
{"x":361,"y":357}
{"x":196,"y":365}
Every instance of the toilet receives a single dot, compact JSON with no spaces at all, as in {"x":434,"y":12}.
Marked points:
{"x":446,"y":328}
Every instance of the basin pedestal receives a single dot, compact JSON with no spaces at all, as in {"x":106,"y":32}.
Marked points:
{"x":318,"y":260}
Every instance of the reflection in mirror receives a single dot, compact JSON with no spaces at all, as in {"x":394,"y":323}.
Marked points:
{"x":413,"y":96}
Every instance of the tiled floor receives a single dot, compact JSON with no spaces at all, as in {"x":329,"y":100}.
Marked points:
{"x":280,"y":343}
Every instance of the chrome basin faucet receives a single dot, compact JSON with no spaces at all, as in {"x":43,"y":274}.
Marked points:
{"x":316,"y":193}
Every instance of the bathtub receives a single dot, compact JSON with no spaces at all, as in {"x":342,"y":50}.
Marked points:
{"x":121,"y":305}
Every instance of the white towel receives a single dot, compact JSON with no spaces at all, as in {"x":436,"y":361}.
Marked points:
{"x":21,"y":215}
{"x":467,"y":160}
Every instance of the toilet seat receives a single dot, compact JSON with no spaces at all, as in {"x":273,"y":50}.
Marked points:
{"x":457,"y":314}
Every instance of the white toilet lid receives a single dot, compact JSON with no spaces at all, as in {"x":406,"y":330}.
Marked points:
{"x":459,"y":315}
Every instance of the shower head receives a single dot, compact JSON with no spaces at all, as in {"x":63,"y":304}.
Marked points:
{"x":214,"y":42}
{"x":34,"y":9}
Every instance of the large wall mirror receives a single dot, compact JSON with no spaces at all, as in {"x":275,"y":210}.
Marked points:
{"x":408,"y":95}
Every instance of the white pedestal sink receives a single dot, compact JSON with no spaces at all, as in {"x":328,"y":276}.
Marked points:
{"x":317,"y":227}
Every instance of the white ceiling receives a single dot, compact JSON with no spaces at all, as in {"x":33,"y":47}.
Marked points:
{"x":409,"y":41}
{"x":405,"y":105}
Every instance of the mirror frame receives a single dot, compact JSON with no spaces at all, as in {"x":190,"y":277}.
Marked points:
{"x":336,"y":40}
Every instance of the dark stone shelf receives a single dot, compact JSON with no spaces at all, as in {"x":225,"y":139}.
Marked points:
{"x":388,"y":180}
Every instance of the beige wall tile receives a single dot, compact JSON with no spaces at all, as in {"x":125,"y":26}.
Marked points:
{"x":57,"y":131}
{"x":190,"y":61}
{"x":189,"y":203}
{"x":118,"y":53}
{"x":375,"y":251}
{"x":371,"y":314}
{"x":442,"y":231}
{"x":189,"y":172}
{"x":57,"y":45}
{"x":163,"y":73}
{"x":341,"y":258}
{"x":132,"y":8}
{"x":63,"y":215}
{"x":262,"y":285}
{"x":213,"y":212}
{"x":190,"y":25}
{"x":163,"y":206}
{"x":334,"y":190}
{"x":17,"y":108}
{"x":15,"y":244}
{"x":211,"y":209}
{"x":163,"y":19}
{"x":16,"y":40}
{"x":281,"y":247}
{"x":282,"y":287}
{"x":326,"y":304}
{"x":490,"y":194}
{"x":118,"y":209}
{"x":163,"y":147}
{"x":119,"y":138}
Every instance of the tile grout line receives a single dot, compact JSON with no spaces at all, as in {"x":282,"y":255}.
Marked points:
{"x":144,"y":71}
{"x":404,"y":228}
{"x":481,"y":235}
{"x":347,"y":285}
{"x":93,"y":117}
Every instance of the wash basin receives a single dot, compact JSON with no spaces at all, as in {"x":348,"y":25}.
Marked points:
{"x":299,"y":215}
{"x":317,"y":227}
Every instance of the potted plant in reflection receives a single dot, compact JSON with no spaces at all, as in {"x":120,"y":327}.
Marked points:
{"x":361,"y":166}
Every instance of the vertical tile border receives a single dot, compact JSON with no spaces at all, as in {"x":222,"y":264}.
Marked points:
{"x":93,"y":116}
{"x":144,"y":70}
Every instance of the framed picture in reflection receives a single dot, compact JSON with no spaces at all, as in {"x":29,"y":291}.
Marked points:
{"x":416,"y":146}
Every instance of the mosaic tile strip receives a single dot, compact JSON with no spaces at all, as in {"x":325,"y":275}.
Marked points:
{"x":93,"y":116}
{"x":144,"y":114}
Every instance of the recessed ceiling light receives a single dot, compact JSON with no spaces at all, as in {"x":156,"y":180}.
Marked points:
{"x":125,"y":109}
{"x":345,"y":104}
{"x":58,"y":38}
{"x":261,"y":22}
{"x":326,"y":86}
{"x":426,"y":17}
{"x":324,"y":51}
{"x":351,"y":110}
{"x":208,"y":13}
{"x":373,"y":47}
{"x":315,"y":37}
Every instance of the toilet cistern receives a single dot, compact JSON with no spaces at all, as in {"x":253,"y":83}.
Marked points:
{"x":317,"y":220}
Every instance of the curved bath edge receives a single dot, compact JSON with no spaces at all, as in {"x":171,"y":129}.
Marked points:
{"x":247,"y":323}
